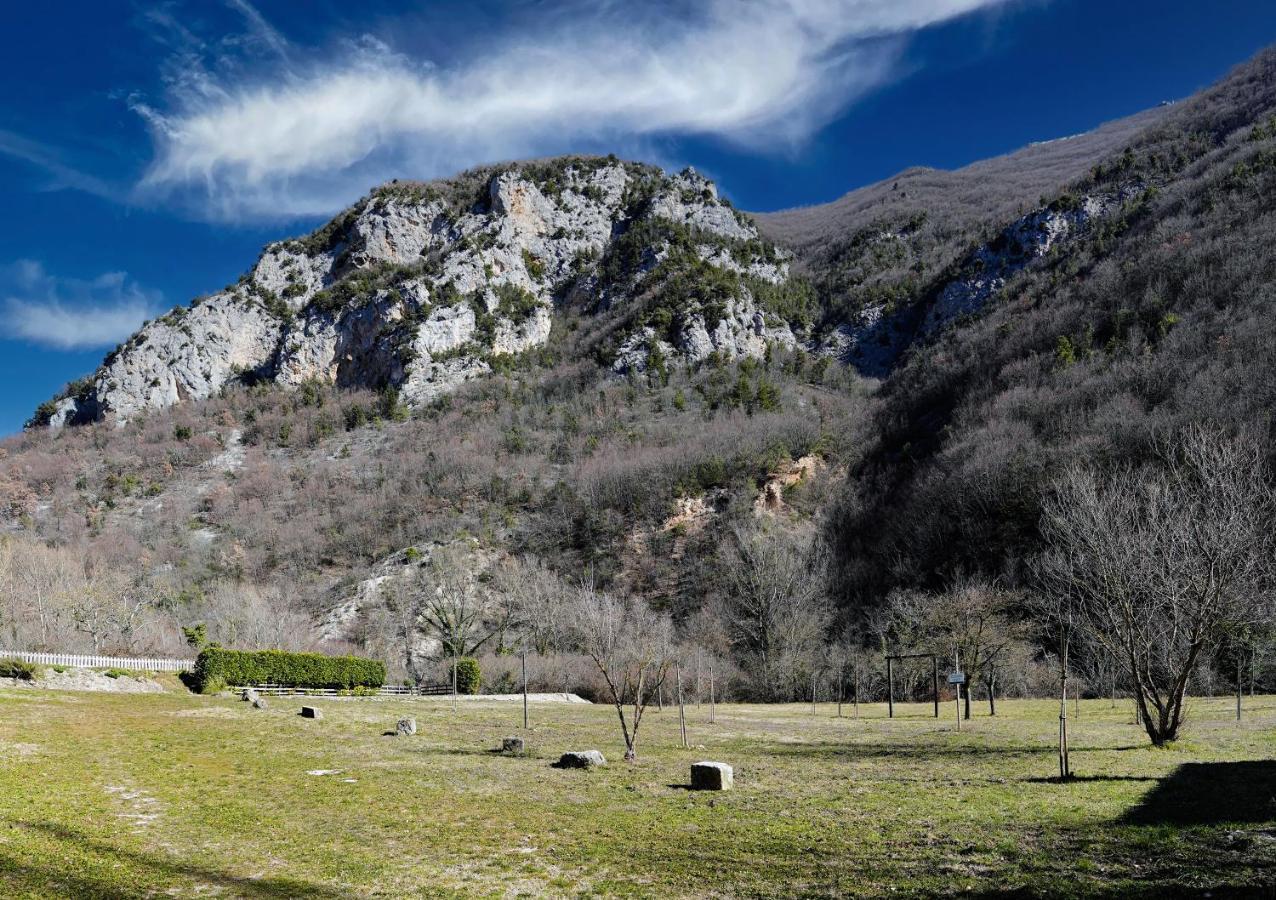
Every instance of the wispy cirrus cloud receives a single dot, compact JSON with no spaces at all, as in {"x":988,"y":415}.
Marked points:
{"x":71,"y":313}
{"x":303,"y":133}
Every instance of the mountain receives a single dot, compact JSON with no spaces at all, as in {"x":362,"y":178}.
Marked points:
{"x":419,"y":287}
{"x":586,"y":369}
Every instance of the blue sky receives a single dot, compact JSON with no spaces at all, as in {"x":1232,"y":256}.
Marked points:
{"x":150,"y":149}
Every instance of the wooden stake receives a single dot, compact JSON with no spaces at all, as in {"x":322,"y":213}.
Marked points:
{"x":855,"y":683}
{"x":934,"y":682}
{"x":525,"y":723}
{"x":682,"y":712}
{"x":841,"y":679}
{"x":890,"y":689}
{"x":1238,"y":686}
{"x":712,"y":700}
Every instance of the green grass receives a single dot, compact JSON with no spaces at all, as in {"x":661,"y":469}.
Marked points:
{"x":105,"y":795}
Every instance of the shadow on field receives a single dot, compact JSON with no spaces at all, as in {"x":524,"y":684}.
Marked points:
{"x":1158,"y":891}
{"x":869,"y":749}
{"x":1082,"y":779}
{"x":1210,"y":793}
{"x":77,"y":882}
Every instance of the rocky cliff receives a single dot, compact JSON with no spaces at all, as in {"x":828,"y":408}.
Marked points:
{"x":421,"y":286}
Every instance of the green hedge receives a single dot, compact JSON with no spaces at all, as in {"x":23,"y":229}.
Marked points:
{"x":468,"y":675}
{"x":312,"y":670}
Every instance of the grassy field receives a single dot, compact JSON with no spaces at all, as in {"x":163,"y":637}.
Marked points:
{"x":121,"y":796}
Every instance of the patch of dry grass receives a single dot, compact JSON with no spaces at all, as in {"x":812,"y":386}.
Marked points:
{"x":118,"y":796}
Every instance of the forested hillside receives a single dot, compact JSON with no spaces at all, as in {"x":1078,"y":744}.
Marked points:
{"x":583,"y":374}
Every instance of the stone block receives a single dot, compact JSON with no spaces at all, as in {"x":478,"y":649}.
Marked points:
{"x":581,"y":759}
{"x":711,"y":776}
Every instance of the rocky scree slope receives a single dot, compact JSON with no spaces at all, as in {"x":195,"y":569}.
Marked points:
{"x":419,"y":287}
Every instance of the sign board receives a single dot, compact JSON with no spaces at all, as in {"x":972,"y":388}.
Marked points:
{"x":957,"y":678}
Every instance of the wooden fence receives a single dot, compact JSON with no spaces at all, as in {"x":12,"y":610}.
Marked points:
{"x":100,"y":662}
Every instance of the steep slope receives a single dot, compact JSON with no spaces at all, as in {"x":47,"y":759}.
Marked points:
{"x":1158,"y":315}
{"x":881,"y":256}
{"x":418,"y":287}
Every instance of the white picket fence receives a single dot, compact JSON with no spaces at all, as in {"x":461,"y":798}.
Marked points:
{"x":78,"y":661}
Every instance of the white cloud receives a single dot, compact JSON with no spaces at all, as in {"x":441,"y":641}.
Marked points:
{"x":299,"y":139}
{"x":71,"y":313}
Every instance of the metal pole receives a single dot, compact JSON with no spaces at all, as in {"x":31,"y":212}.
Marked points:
{"x":454,"y":682}
{"x":890,"y":688}
{"x":525,"y":689}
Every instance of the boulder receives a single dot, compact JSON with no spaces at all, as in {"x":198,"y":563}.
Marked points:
{"x":259,"y":703}
{"x":311,"y":712}
{"x":513,"y":745}
{"x":581,"y":759}
{"x":711,"y":776}
{"x":406,"y":727}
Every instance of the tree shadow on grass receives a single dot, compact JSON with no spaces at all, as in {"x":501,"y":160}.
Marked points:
{"x":870,"y":750}
{"x":52,"y":882}
{"x":1082,"y":779}
{"x":1210,"y":793}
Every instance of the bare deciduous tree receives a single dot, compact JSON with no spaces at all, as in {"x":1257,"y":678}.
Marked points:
{"x":778,"y":609}
{"x":454,"y":606}
{"x":537,"y":601}
{"x":632,"y":647}
{"x":1159,"y":563}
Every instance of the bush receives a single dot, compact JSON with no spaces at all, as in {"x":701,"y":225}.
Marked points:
{"x":468,"y":675}
{"x":118,"y":673}
{"x":312,"y":670}
{"x":209,"y":686}
{"x":16,"y":668}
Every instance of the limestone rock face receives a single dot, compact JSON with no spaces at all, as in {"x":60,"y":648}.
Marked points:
{"x":418,"y":286}
{"x":187,"y":355}
{"x":1032,"y":237}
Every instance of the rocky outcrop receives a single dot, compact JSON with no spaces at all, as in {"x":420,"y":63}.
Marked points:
{"x":419,"y":285}
{"x":187,"y":355}
{"x":1032,"y":237}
